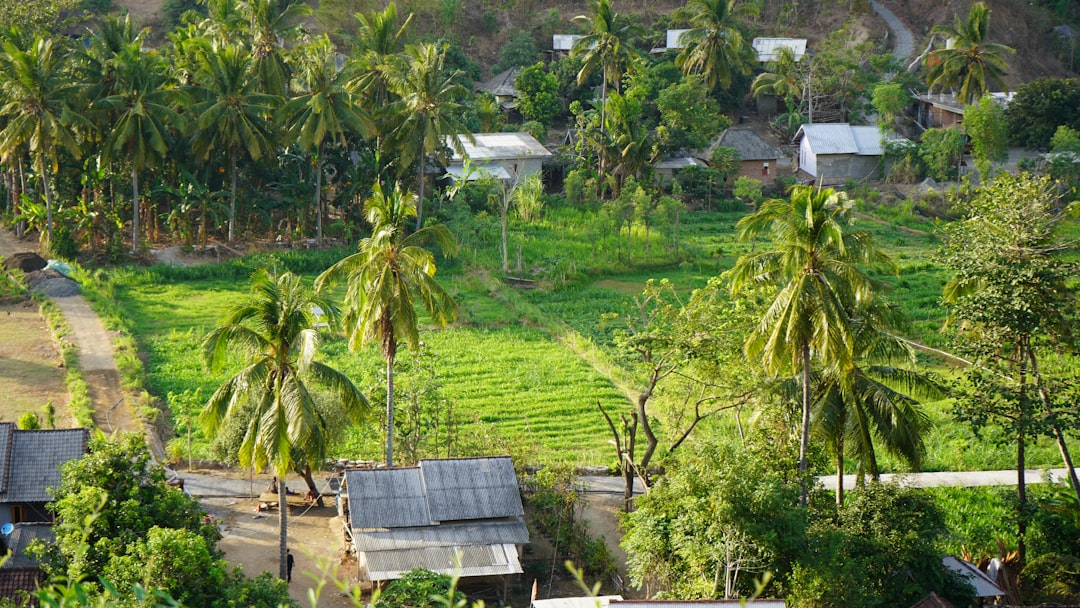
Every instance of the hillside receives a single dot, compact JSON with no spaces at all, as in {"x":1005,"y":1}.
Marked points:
{"x":482,"y":27}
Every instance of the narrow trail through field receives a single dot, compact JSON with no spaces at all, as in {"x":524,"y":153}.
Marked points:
{"x":112,"y":412}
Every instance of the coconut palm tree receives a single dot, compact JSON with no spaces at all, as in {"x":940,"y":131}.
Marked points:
{"x":270,"y":396}
{"x":378,"y":39}
{"x":324,"y":111}
{"x":868,"y":401}
{"x":782,"y":78}
{"x":144,"y":118}
{"x":428,"y":109}
{"x":229,"y":113}
{"x":606,"y":47}
{"x":971,"y":65}
{"x":821,"y":289}
{"x":37,"y":107}
{"x":714,"y":46}
{"x":273,"y":24}
{"x":385,"y":277}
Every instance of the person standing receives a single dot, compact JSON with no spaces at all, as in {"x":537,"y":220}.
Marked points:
{"x":289,"y":561}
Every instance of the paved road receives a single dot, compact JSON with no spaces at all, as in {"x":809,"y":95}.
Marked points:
{"x":614,"y":485}
{"x":903,"y":40}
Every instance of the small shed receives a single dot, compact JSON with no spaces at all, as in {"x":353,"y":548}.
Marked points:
{"x":515,"y":155}
{"x":29,"y":465}
{"x":460,"y":516}
{"x":768,"y":49}
{"x":502,"y":87}
{"x":981,"y":582}
{"x":665,"y":169}
{"x":834,"y":153}
{"x":757,"y":158}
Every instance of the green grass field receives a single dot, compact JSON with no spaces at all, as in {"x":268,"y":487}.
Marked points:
{"x":503,"y":372}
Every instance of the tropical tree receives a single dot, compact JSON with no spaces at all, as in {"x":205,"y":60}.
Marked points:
{"x":325,"y":110}
{"x":427,"y":111}
{"x":229,"y":113}
{"x":274,"y":332}
{"x":714,"y":46}
{"x":37,"y":107}
{"x":783,"y":78}
{"x":385,"y":277}
{"x":869,"y":400}
{"x":143,"y":105}
{"x":814,"y":263}
{"x":1010,"y":297}
{"x":378,"y":39}
{"x":273,"y":24}
{"x":971,"y":65}
{"x":606,"y":47}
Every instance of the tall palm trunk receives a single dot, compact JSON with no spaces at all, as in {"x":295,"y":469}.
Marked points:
{"x":421,"y":159}
{"x":283,"y":528}
{"x":232,"y":198}
{"x":318,"y":194}
{"x":804,"y":440}
{"x":603,"y":137}
{"x":1021,"y":466}
{"x":840,"y":469}
{"x":48,"y":199}
{"x":390,"y":410}
{"x":135,"y":209}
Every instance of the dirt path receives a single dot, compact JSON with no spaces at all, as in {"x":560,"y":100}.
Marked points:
{"x":112,"y":412}
{"x":904,"y":43}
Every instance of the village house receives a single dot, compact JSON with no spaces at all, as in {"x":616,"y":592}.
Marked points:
{"x":460,"y":517}
{"x":757,"y":158}
{"x":833,"y":153}
{"x":768,"y":49}
{"x":502,"y":87}
{"x":506,"y":156}
{"x":944,"y":110}
{"x":30,"y":465}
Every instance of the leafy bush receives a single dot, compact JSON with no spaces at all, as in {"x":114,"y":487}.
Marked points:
{"x":414,"y":590}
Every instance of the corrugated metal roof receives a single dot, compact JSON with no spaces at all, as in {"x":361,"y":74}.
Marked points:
{"x":600,"y":601}
{"x":35,"y":459}
{"x":487,"y":560}
{"x":768,"y":49}
{"x":498,"y":146}
{"x":387,"y":498}
{"x":867,"y":140}
{"x":759,"y":603}
{"x":447,"y":535}
{"x":750,"y":145}
{"x":564,"y":42}
{"x":829,"y":138}
{"x":471,"y":488}
{"x":479,"y":172}
{"x":679,"y":162}
{"x":673,"y":41}
{"x":984,"y":586}
{"x":20,"y":537}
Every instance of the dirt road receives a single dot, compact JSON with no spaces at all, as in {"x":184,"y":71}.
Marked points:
{"x":112,"y":412}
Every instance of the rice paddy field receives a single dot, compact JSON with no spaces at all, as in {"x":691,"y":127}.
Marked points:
{"x":519,"y":372}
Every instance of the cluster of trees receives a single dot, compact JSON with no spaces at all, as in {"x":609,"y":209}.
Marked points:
{"x":829,"y":371}
{"x":125,"y":533}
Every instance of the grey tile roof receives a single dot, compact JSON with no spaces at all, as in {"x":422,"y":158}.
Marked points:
{"x":471,"y":488}
{"x":387,"y":498}
{"x":18,"y":540}
{"x":510,"y":531}
{"x":502,"y":84}
{"x":750,"y":145}
{"x":17,"y":583}
{"x":7,"y":430}
{"x":34,"y":459}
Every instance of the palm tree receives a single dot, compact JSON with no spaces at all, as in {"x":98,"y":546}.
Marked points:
{"x":324,"y":110}
{"x":143,"y":107}
{"x":36,"y":101}
{"x":428,"y":109}
{"x":273,"y":24}
{"x":390,"y":270}
{"x":270,"y":396}
{"x":868,"y":399}
{"x":607,"y":47}
{"x":378,"y":39}
{"x":782,"y":79}
{"x":229,"y":113}
{"x":971,"y":64}
{"x":821,"y":290}
{"x":714,"y":46}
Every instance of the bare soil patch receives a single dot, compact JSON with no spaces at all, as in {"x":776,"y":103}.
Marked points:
{"x":31,"y":368}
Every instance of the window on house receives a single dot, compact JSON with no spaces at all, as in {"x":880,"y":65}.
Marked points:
{"x":17,"y":515}
{"x":764,"y":168}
